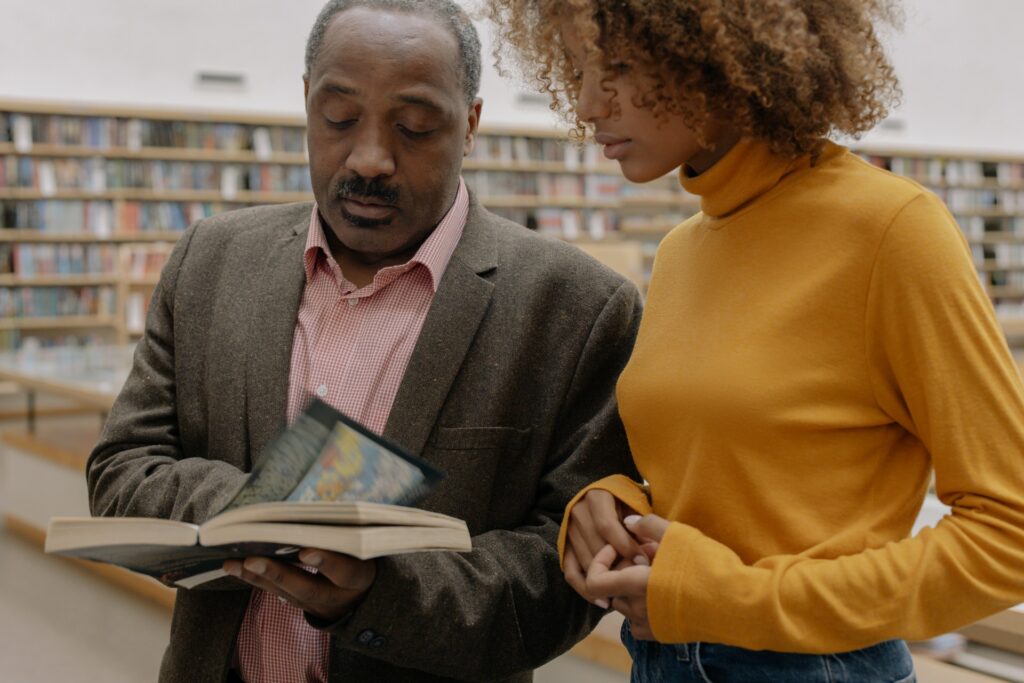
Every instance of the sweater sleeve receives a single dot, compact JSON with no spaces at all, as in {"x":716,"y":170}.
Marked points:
{"x":630,"y":493}
{"x":941,"y":371}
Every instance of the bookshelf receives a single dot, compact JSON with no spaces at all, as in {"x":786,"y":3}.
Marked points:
{"x":92,"y":198}
{"x":986,"y":196}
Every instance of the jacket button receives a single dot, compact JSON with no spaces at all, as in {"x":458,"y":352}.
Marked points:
{"x":366,"y":637}
{"x":378,"y":642}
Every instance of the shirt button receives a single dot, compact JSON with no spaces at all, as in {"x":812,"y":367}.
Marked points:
{"x":378,"y":642}
{"x":321,"y":390}
{"x":366,"y":637}
{"x":353,"y":302}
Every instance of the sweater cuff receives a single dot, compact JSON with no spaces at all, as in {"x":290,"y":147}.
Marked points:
{"x":694,"y":587}
{"x":628,"y":492}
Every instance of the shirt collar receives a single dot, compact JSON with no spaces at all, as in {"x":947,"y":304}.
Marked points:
{"x":434,"y":254}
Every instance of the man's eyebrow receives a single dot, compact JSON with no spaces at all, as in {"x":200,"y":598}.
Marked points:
{"x":341,"y":89}
{"x":414,"y":100}
{"x":419,"y":101}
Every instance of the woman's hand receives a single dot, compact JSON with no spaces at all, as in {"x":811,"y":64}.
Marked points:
{"x":627,"y":584}
{"x":594,"y":522}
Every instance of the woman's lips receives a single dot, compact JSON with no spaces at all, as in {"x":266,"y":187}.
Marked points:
{"x":614,"y":146}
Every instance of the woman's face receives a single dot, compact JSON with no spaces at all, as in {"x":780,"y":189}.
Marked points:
{"x":646,"y":146}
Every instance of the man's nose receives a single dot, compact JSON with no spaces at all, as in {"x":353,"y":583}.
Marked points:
{"x":371,"y":155}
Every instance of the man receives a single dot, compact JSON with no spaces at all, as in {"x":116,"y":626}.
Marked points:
{"x":484,"y":348}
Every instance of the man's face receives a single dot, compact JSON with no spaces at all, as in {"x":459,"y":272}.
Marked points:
{"x":387,"y":125}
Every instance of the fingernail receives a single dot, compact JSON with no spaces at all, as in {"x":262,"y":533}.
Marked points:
{"x":641,"y":560}
{"x":603,"y":604}
{"x":314,"y":559}
{"x":631,"y":520}
{"x":256,"y":566}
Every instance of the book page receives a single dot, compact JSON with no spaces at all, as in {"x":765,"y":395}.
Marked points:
{"x":333,"y":512}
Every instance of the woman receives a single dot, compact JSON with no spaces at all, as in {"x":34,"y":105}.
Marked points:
{"x":815,"y":343}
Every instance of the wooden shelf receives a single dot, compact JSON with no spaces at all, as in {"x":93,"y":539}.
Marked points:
{"x":997,"y":238}
{"x":77,"y":280}
{"x":984,"y":213}
{"x":45,"y":237}
{"x":658,"y":230}
{"x":138,"y":195}
{"x":58,"y":322}
{"x":535,"y":202}
{"x":990,"y":266}
{"x":984,"y":184}
{"x":558,"y":167}
{"x":143,"y":280}
{"x":669,"y":200}
{"x":1005,"y":291}
{"x":224,"y":156}
{"x":936,"y":153}
{"x":1013,"y":327}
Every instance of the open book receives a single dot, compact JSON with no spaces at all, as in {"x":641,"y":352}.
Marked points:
{"x":325,"y":482}
{"x":187,"y":555}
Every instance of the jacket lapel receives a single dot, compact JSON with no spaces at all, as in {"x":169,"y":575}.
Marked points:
{"x":277,"y":294}
{"x":450,"y":327}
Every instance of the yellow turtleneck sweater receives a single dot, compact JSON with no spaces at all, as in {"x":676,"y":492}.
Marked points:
{"x":814,"y":342}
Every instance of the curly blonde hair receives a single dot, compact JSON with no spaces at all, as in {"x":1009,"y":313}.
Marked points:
{"x":790,"y":72}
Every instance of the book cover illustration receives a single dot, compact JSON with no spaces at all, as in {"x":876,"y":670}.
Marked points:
{"x":352,"y":466}
{"x":324,"y":455}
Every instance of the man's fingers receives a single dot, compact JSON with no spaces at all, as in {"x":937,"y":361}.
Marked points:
{"x":345,"y":572}
{"x":648,"y":527}
{"x":273,"y":577}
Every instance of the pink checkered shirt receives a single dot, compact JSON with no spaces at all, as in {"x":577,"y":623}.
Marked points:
{"x":351,"y":348}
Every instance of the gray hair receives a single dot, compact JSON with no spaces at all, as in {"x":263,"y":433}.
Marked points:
{"x":453,"y":17}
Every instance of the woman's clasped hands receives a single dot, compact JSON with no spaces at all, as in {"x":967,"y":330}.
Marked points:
{"x":608,"y":556}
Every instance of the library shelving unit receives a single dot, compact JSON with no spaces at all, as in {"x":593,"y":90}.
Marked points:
{"x":985,"y":193}
{"x":92,"y":199}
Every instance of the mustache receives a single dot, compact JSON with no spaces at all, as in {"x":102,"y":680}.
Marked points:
{"x":358,"y":187}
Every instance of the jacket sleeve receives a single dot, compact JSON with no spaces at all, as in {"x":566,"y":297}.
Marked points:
{"x":942,"y":372}
{"x":139,"y":467}
{"x":504,"y":607}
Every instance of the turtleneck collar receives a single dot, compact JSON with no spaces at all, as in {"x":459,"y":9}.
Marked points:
{"x":746,"y":172}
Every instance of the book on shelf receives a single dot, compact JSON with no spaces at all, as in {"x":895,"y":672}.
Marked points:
{"x":326,"y":482}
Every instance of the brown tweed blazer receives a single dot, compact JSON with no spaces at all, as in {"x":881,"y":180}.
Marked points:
{"x":509,"y":390}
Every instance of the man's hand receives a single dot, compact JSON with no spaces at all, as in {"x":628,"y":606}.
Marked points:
{"x":627,"y":583}
{"x":330,"y":594}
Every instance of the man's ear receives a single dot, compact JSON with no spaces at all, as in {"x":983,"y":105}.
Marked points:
{"x":473,"y":124}
{"x":305,"y":92}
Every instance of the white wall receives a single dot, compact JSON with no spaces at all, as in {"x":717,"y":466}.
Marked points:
{"x":962,"y":74}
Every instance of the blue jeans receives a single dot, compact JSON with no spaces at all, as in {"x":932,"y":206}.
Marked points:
{"x":887,"y":662}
